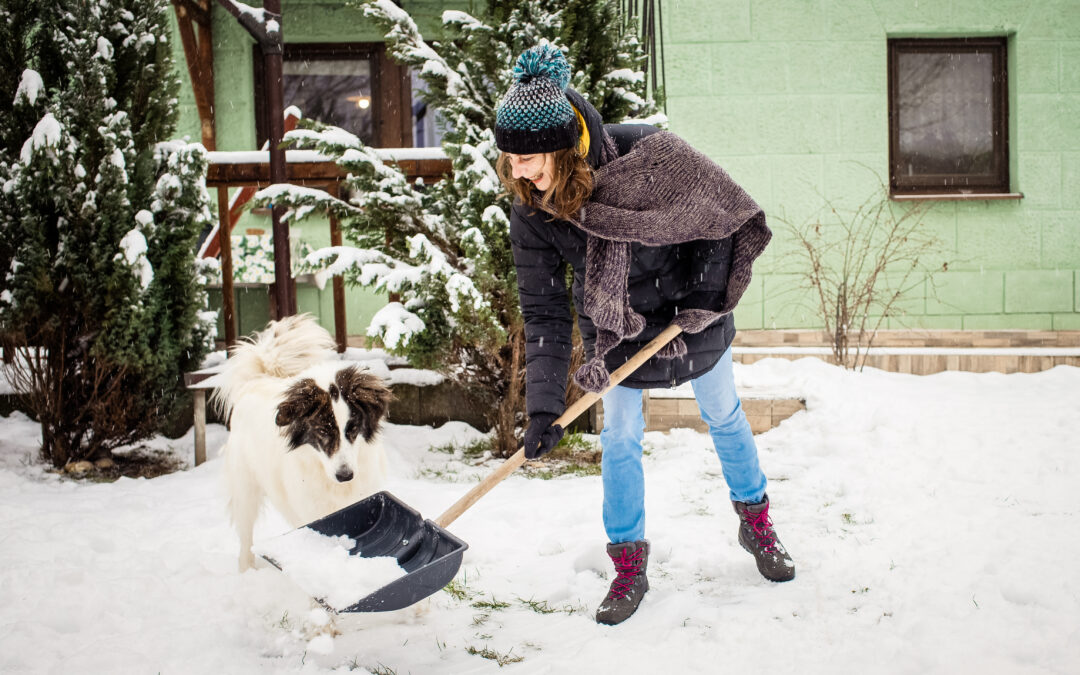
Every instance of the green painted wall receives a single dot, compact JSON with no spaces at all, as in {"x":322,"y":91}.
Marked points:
{"x":791,"y":97}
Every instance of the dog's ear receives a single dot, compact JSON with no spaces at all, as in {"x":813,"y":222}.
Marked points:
{"x":368,"y":398}
{"x":300,"y":400}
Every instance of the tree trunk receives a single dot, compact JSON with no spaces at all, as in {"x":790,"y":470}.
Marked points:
{"x":510,"y":408}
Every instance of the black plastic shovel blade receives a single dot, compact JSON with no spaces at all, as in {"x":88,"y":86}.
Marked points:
{"x":383,"y":525}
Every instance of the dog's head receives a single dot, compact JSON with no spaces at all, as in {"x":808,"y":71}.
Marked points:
{"x":334,"y":418}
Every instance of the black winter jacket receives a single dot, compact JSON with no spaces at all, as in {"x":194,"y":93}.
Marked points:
{"x":661,"y":277}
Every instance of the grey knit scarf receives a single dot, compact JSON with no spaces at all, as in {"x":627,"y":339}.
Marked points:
{"x":661,"y":192}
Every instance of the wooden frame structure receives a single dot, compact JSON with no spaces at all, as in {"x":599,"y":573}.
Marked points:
{"x":194,"y":22}
{"x":323,"y":174}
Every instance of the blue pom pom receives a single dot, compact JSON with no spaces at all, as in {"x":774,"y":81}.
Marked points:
{"x":543,"y":60}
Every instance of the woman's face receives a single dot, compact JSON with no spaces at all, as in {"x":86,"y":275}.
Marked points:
{"x":537,"y":168}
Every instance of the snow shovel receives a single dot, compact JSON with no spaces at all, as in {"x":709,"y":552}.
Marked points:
{"x":383,"y":525}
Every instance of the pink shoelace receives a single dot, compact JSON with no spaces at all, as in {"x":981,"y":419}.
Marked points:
{"x":627,"y":567}
{"x":763,"y":529}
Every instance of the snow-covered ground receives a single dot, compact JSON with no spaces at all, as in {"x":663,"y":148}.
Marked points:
{"x":934,"y":522}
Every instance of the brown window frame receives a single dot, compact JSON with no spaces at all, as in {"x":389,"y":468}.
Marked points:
{"x":391,"y":88}
{"x":997,"y":182}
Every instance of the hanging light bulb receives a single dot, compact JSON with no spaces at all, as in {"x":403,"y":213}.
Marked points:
{"x":361,"y":101}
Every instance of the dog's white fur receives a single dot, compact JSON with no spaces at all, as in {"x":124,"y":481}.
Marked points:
{"x":304,"y":483}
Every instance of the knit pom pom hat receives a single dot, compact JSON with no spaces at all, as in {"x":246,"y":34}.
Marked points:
{"x":535,"y":115}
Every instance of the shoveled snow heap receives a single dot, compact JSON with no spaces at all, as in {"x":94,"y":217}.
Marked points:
{"x":321,"y":565}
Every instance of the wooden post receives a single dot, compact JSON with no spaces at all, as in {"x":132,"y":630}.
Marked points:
{"x":285,"y":294}
{"x":199,"y":402}
{"x":338,"y":283}
{"x":228,"y":300}
{"x":267,"y":32}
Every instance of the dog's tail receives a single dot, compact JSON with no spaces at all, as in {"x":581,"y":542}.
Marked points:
{"x":282,"y":350}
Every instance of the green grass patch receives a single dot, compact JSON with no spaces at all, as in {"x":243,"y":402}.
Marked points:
{"x":558,"y":469}
{"x":492,"y":604}
{"x":474,"y":450}
{"x":456,"y":590}
{"x":491,"y":654}
{"x":575,"y":455}
{"x":543,"y":607}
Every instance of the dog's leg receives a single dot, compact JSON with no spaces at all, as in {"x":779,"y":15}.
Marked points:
{"x":244,"y":520}
{"x":245,"y":498}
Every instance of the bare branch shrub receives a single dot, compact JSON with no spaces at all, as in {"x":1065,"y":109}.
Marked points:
{"x":860,"y":264}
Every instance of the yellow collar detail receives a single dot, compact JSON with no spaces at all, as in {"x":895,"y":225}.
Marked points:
{"x":583,"y":142}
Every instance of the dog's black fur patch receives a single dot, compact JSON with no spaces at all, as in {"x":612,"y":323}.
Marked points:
{"x":307,"y":414}
{"x":308,"y":417}
{"x":368,"y":400}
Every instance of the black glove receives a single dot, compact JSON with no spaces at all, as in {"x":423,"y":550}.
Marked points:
{"x":541,"y":435}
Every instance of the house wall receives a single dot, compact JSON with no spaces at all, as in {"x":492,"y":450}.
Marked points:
{"x":791,"y":97}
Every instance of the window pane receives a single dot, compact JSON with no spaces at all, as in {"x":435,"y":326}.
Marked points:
{"x":336,"y":92}
{"x":945,"y":113}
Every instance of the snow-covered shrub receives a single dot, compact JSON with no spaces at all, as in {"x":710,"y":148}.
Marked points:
{"x":443,"y":249}
{"x":100,"y":307}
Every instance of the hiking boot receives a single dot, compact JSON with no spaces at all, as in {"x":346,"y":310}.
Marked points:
{"x":757,"y":536}
{"x":630,"y":583}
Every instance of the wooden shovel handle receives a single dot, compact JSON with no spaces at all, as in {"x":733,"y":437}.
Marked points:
{"x":581,"y":405}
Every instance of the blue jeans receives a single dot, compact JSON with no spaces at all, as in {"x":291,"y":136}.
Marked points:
{"x":624,"y":430}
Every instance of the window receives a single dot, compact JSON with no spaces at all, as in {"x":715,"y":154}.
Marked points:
{"x":948,"y":116}
{"x":355,"y":86}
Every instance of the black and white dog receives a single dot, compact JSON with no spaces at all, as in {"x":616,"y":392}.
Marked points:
{"x":303,"y":428}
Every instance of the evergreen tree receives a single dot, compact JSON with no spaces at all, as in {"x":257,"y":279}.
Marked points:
{"x":98,"y":222}
{"x":444,"y":249}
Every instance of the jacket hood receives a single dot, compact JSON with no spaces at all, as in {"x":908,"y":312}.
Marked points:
{"x":593,"y":122}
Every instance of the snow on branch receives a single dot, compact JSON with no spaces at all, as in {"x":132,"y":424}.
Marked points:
{"x":459,"y":287}
{"x":626,"y":75}
{"x":337,"y":260}
{"x":30,"y":87}
{"x":474,"y":168}
{"x":395,"y":325}
{"x":303,"y":201}
{"x":463,"y":21}
{"x":46,"y":135}
{"x":133,"y":250}
{"x":408,"y":47}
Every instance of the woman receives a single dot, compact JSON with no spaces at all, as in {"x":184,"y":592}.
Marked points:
{"x":656,"y":234}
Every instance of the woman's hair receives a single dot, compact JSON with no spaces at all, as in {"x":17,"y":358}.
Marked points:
{"x":571,"y":184}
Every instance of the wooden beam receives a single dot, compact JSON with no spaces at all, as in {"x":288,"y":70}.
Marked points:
{"x":199,"y":10}
{"x":394,"y":115}
{"x":228,"y":300}
{"x":338,"y":282}
{"x":239,"y":201}
{"x":257,"y":29}
{"x":314,"y":173}
{"x":199,"y":57}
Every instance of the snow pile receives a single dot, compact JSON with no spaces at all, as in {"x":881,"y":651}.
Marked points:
{"x":933,"y":523}
{"x":321,"y":565}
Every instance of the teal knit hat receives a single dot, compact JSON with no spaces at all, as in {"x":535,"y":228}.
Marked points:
{"x":535,"y":115}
